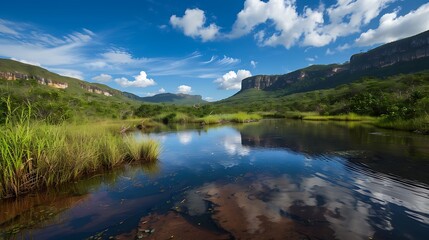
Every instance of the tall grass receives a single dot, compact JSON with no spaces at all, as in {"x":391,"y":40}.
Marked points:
{"x":34,"y":154}
{"x":342,"y":117}
{"x":240,"y":117}
{"x":420,"y":124}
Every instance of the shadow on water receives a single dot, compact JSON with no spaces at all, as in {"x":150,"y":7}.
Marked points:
{"x":399,"y":153}
{"x":277,"y":179}
{"x":47,"y":208}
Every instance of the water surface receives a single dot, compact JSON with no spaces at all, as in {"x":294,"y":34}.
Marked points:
{"x":276,"y":179}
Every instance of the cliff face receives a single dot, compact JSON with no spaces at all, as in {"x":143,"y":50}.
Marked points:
{"x":274,"y":82}
{"x":12,"y":76}
{"x":96,"y":90}
{"x":411,"y":54}
{"x":404,"y":50}
{"x":259,"y":81}
{"x":181,"y":99}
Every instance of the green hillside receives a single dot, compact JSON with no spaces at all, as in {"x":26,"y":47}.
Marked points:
{"x":56,"y":104}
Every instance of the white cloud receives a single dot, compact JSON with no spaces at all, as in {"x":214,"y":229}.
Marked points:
{"x":393,"y":27}
{"x":117,"y":56}
{"x":27,"y":62}
{"x":184,"y":89}
{"x":228,"y":60}
{"x":343,"y":47}
{"x":161,"y":90}
{"x":192,"y":25}
{"x":208,"y":99}
{"x":23,"y":41}
{"x":330,"y":52}
{"x":232,"y":80}
{"x":312,"y":27}
{"x":253,"y":63}
{"x":5,"y":28}
{"x":69,"y":73}
{"x":312,"y":59}
{"x":97,"y":64}
{"x":102,"y":78}
{"x":140,"y":80}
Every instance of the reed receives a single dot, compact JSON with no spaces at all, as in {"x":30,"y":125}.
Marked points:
{"x":34,"y":154}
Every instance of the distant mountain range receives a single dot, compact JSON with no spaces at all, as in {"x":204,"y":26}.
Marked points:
{"x":13,"y":70}
{"x":400,"y":57}
{"x":180,"y":98}
{"x":408,"y":55}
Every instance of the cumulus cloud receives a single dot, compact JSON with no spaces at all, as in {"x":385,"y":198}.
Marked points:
{"x":184,"y":89}
{"x":140,"y":80}
{"x":232,"y":80}
{"x":393,"y":27}
{"x":192,"y":25}
{"x":102,"y":78}
{"x":209,"y":99}
{"x":311,"y":27}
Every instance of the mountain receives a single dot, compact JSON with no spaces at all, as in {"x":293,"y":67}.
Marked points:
{"x":13,"y":70}
{"x":56,"y":97}
{"x":403,"y":56}
{"x":179,"y":99}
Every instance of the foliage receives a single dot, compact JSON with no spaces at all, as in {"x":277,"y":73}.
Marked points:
{"x":35,"y":154}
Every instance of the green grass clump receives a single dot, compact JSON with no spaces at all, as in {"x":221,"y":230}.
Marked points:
{"x":420,"y":124}
{"x":342,"y":117}
{"x":36,"y":155}
{"x":240,"y":117}
{"x":147,"y":150}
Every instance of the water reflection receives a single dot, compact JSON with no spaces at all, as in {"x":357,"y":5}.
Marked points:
{"x":184,"y":137}
{"x":268,"y":180}
{"x":233,"y":146}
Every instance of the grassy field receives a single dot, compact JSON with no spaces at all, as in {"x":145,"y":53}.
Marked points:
{"x":35,"y":155}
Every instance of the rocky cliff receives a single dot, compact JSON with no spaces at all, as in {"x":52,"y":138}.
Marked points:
{"x":404,"y":50}
{"x":12,"y":76}
{"x":97,"y":90}
{"x":274,"y":82}
{"x":403,"y":56}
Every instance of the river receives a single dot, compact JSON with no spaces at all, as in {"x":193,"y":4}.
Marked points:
{"x":276,"y":179}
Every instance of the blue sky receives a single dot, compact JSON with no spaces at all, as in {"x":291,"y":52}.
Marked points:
{"x":197,"y":47}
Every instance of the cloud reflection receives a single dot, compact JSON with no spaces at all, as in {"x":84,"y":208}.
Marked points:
{"x":233,"y":145}
{"x":184,"y":137}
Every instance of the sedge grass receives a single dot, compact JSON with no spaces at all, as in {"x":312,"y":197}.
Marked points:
{"x":343,"y":117}
{"x":36,"y":155}
{"x":240,"y":117}
{"x":420,"y":124}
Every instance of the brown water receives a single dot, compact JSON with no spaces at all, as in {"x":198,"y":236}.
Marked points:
{"x":276,"y":179}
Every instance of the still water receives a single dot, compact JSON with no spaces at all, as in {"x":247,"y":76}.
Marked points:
{"x":277,"y":179}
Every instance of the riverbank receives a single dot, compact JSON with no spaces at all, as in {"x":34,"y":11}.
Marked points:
{"x":36,"y":155}
{"x":180,"y":117}
{"x":418,"y":125}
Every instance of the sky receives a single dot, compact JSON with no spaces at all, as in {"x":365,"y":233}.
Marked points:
{"x":205,"y":47}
